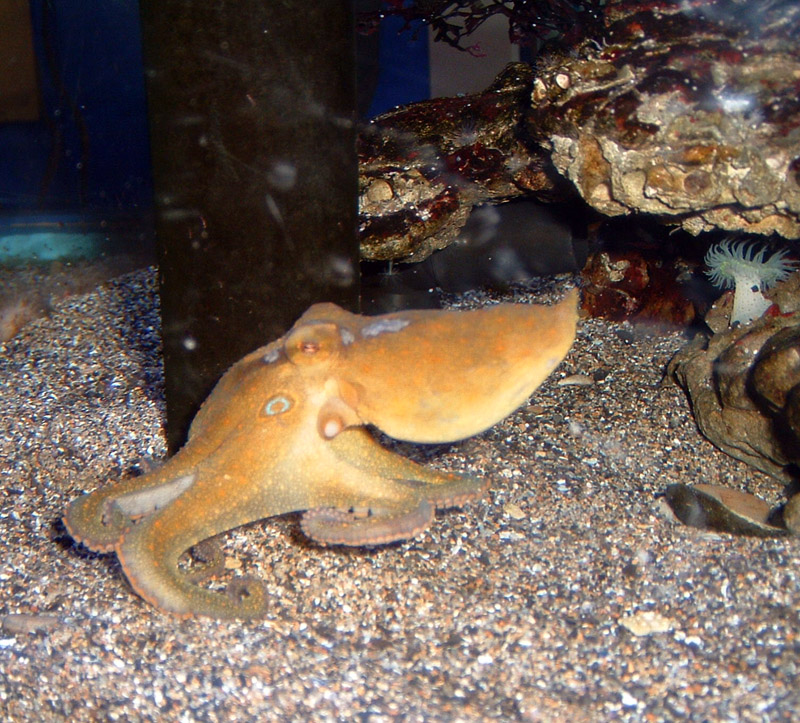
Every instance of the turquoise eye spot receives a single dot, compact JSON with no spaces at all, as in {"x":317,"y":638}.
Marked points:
{"x":277,"y":405}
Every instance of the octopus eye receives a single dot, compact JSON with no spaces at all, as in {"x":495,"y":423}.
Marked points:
{"x":277,"y":405}
{"x":312,"y":343}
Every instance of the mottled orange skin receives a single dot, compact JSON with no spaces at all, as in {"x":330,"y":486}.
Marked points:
{"x":283,"y":431}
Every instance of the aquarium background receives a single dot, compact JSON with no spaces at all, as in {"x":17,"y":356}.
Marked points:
{"x":85,"y":156}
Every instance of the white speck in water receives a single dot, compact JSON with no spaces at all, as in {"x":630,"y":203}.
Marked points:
{"x":273,"y":209}
{"x":341,"y":271}
{"x":189,"y":343}
{"x":575,"y":428}
{"x":282,"y":175}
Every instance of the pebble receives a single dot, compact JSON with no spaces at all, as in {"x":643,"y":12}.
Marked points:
{"x":514,"y":511}
{"x":576,"y":380}
{"x":647,"y":623}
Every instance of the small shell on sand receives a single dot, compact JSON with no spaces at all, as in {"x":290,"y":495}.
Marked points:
{"x":723,"y":509}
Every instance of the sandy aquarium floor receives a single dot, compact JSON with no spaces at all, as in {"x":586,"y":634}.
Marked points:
{"x":565,"y":595}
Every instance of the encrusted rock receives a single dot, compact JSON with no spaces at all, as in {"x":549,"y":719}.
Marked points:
{"x":791,"y":515}
{"x":422,"y":167}
{"x":681,"y":110}
{"x":687,"y":111}
{"x":633,"y":284}
{"x":742,"y":384}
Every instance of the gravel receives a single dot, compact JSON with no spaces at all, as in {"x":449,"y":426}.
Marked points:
{"x":567,"y":594}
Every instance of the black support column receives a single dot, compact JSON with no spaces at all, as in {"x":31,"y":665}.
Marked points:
{"x":252,"y":107}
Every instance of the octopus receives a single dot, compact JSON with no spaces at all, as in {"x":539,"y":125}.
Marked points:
{"x":286,"y":430}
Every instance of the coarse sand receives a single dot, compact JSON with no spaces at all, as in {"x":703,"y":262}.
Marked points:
{"x":567,"y":594}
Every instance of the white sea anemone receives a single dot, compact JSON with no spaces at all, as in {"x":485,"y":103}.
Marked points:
{"x":742,"y":267}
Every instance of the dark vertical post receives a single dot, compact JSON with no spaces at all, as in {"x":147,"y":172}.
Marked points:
{"x":251,"y":107}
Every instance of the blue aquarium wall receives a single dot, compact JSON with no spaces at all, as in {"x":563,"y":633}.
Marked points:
{"x":403,"y":66}
{"x":88,"y":152}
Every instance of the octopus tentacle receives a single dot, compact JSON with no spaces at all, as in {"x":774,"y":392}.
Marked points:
{"x":99,"y":519}
{"x":402,"y":500}
{"x":149,"y":552}
{"x":331,"y":526}
{"x":208,"y":560}
{"x":359,"y":449}
{"x":154,"y":575}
